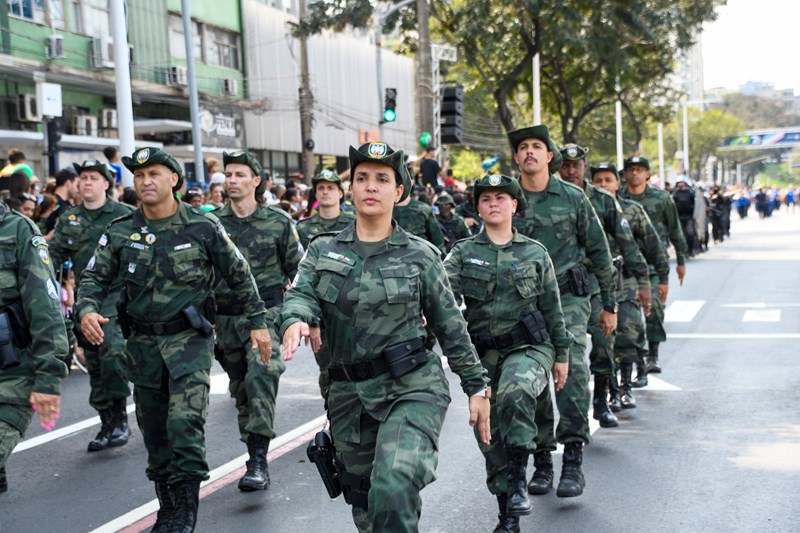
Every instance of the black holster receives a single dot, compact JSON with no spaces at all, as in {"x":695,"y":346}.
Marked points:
{"x":8,"y":354}
{"x":122,"y":313}
{"x":405,"y":357}
{"x":618,"y":267}
{"x":322,"y":452}
{"x":535,"y":327}
{"x":197,"y":321}
{"x":578,"y":277}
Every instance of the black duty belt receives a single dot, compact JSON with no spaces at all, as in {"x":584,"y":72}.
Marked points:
{"x":374,"y":367}
{"x":271,"y":297}
{"x":170,"y":327}
{"x":488,"y":342}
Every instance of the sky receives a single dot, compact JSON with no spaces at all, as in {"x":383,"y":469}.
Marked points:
{"x":753,"y":40}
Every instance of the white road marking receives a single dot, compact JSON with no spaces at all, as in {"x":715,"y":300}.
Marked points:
{"x":759,"y":305}
{"x":735,"y":336}
{"x":654,"y":383}
{"x":219,"y":384}
{"x":762,"y":315}
{"x":683,"y":310}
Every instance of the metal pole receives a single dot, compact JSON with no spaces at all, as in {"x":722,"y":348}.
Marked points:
{"x":194,"y":106}
{"x":661,"y":170}
{"x":379,"y":73}
{"x":537,"y":95}
{"x":618,"y":110}
{"x":306,"y":107}
{"x":686,"y":141}
{"x":122,"y":85}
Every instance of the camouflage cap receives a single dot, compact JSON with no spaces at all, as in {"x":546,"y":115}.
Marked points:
{"x":573,"y":152}
{"x":382,"y":153}
{"x":636,"y":160}
{"x":501,"y":183}
{"x":604,"y":166}
{"x":327,"y":175}
{"x":149,"y":156}
{"x":543,"y":134}
{"x":243,"y":157}
{"x":96,"y":166}
{"x":444,"y":199}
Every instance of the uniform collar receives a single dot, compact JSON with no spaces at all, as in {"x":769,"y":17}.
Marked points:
{"x":398,"y":236}
{"x":483,"y":238}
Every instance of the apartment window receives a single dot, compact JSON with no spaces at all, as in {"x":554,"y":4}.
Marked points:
{"x":177,"y":46}
{"x":76,"y":20}
{"x":96,"y":18}
{"x":36,"y":11}
{"x":222,"y":47}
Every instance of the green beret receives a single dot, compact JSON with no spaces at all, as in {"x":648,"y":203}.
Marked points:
{"x":382,"y":153}
{"x":543,"y":134}
{"x":604,"y":166}
{"x":501,"y":183}
{"x":97,"y":166}
{"x":573,"y":152}
{"x":445,"y":198}
{"x":327,"y":175}
{"x":243,"y":157}
{"x":149,"y":156}
{"x":636,"y":160}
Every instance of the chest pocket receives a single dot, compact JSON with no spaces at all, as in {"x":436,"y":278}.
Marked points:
{"x":8,"y":267}
{"x":528,"y":280}
{"x":187,"y":265}
{"x":475,"y":282}
{"x":332,"y":275}
{"x":134,"y":264}
{"x":563,"y":226}
{"x":401,"y":283}
{"x":72,"y":234}
{"x":262,"y":256}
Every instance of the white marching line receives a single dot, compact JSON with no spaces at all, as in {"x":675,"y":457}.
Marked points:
{"x":683,"y":310}
{"x":762,"y":315}
{"x":741,"y":336}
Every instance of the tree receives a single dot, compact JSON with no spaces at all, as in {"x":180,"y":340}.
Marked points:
{"x":758,"y":112}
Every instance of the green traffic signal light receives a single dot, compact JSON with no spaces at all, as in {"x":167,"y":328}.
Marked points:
{"x":389,"y":115}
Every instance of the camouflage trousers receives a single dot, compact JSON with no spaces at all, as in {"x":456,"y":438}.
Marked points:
{"x":655,"y":322}
{"x":630,"y":325}
{"x":253,"y":385}
{"x":517,"y":380}
{"x":601,"y":356}
{"x":392,"y":460}
{"x":14,"y":421}
{"x":172,"y":420}
{"x":573,"y":400}
{"x":106,"y":364}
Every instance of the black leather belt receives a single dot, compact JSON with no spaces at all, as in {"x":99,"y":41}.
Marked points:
{"x":159,"y":328}
{"x":271,"y":297}
{"x":359,"y":371}
{"x":488,"y":342}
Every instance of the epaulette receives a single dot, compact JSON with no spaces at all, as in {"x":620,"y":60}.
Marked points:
{"x":205,"y":214}
{"x":433,"y":248}
{"x":281,"y":211}
{"x":318,"y":235}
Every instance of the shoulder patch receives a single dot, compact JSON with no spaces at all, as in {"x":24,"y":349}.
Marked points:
{"x":38,"y":241}
{"x":51,"y":289}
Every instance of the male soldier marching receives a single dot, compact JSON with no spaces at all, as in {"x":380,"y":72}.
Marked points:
{"x":664,"y":216}
{"x":452,"y":225}
{"x":417,"y":218}
{"x":562,"y":219}
{"x":33,"y":340}
{"x":267,"y":239}
{"x":76,"y":235}
{"x":622,"y":244}
{"x":168,"y":253}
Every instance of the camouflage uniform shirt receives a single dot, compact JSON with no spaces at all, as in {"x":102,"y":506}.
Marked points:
{"x":417,"y":219}
{"x":315,"y":224}
{"x":664,"y":216}
{"x":647,"y":239}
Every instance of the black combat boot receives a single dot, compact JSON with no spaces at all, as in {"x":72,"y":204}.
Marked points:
{"x":187,"y":497}
{"x":166,"y":507}
{"x":641,"y":373}
{"x":3,"y":480}
{"x":614,"y":394}
{"x":652,"y":359}
{"x":120,"y":433}
{"x":505,"y":524}
{"x":257,"y":475}
{"x":627,"y":399}
{"x":572,"y":481}
{"x":542,"y":480}
{"x":518,"y":502}
{"x":601,"y":411}
{"x":100,"y":442}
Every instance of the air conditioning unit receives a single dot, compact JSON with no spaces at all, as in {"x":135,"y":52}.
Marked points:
{"x":102,"y":55}
{"x":26,"y":108}
{"x":91,"y":126}
{"x":55,"y":47}
{"x":84,"y":125}
{"x":230,"y":86}
{"x":177,"y":76}
{"x":108,"y":119}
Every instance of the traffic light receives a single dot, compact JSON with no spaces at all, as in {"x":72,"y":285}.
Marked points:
{"x":451,"y":116}
{"x":389,"y":105}
{"x":53,"y":136}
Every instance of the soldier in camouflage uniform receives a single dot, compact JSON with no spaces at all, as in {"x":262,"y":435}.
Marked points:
{"x":417,"y":219}
{"x":633,"y":298}
{"x":33,"y":340}
{"x":75,"y":238}
{"x":514,"y":318}
{"x":372,"y":283}
{"x":626,"y":253}
{"x":267,"y":238}
{"x":560,"y":217}
{"x":452,"y":225}
{"x":664,"y":216}
{"x":168,"y":253}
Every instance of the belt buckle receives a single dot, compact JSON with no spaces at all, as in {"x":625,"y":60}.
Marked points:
{"x":158,"y":329}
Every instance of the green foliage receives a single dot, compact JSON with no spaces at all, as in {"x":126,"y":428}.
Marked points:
{"x":466,"y":164}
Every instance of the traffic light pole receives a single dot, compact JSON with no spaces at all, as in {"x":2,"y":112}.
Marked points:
{"x":379,"y":21}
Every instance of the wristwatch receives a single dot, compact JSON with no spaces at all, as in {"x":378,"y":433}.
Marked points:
{"x":611,"y":309}
{"x":485,"y":393}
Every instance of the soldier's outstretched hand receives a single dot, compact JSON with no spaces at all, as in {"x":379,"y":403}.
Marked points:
{"x":479,"y":415}
{"x":92,"y":327}
{"x":47,"y":406}
{"x":291,"y":339}
{"x":262,"y":342}
{"x":316,"y":338}
{"x":681,"y":271}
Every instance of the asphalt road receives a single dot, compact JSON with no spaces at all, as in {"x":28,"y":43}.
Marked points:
{"x":713,"y":446}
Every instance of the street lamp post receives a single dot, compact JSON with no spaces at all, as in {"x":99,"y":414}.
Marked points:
{"x":379,"y":21}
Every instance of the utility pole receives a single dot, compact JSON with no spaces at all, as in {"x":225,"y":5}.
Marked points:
{"x":424,"y":83}
{"x":194,"y":105}
{"x":306,"y":107}
{"x":122,"y":83}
